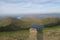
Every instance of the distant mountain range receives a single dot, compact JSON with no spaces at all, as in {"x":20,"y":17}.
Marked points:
{"x":43,"y":15}
{"x":32,"y":15}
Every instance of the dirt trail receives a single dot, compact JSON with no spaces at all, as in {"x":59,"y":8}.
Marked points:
{"x":35,"y":35}
{"x":39,"y":36}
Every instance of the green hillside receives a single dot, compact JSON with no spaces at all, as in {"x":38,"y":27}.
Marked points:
{"x":11,"y":24}
{"x":42,"y":21}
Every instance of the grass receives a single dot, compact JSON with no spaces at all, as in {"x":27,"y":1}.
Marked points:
{"x":16,"y":35}
{"x":48,"y":34}
{"x":50,"y":28}
{"x":51,"y":33}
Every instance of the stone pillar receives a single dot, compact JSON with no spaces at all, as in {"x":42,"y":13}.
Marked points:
{"x":33,"y":34}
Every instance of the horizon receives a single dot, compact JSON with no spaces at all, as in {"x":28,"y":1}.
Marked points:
{"x":21,"y":15}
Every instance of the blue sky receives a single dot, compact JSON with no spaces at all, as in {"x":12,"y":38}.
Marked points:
{"x":29,"y":6}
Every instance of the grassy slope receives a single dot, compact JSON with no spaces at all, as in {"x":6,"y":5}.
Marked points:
{"x":48,"y":34}
{"x":51,"y":33}
{"x":56,"y":27}
{"x":16,"y":35}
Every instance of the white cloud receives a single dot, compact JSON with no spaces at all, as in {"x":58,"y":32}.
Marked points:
{"x":40,"y":0}
{"x":28,"y":6}
{"x":56,"y":0}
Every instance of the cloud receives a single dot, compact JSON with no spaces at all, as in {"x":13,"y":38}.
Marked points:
{"x":14,"y":1}
{"x":29,"y":6}
{"x":25,"y":1}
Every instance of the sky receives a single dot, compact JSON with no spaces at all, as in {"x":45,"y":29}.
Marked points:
{"x":29,"y":6}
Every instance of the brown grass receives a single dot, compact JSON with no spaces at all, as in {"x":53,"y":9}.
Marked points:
{"x":53,"y":34}
{"x":18,"y":35}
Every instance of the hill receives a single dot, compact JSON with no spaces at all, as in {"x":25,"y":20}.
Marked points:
{"x":11,"y":24}
{"x":46,"y":21}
